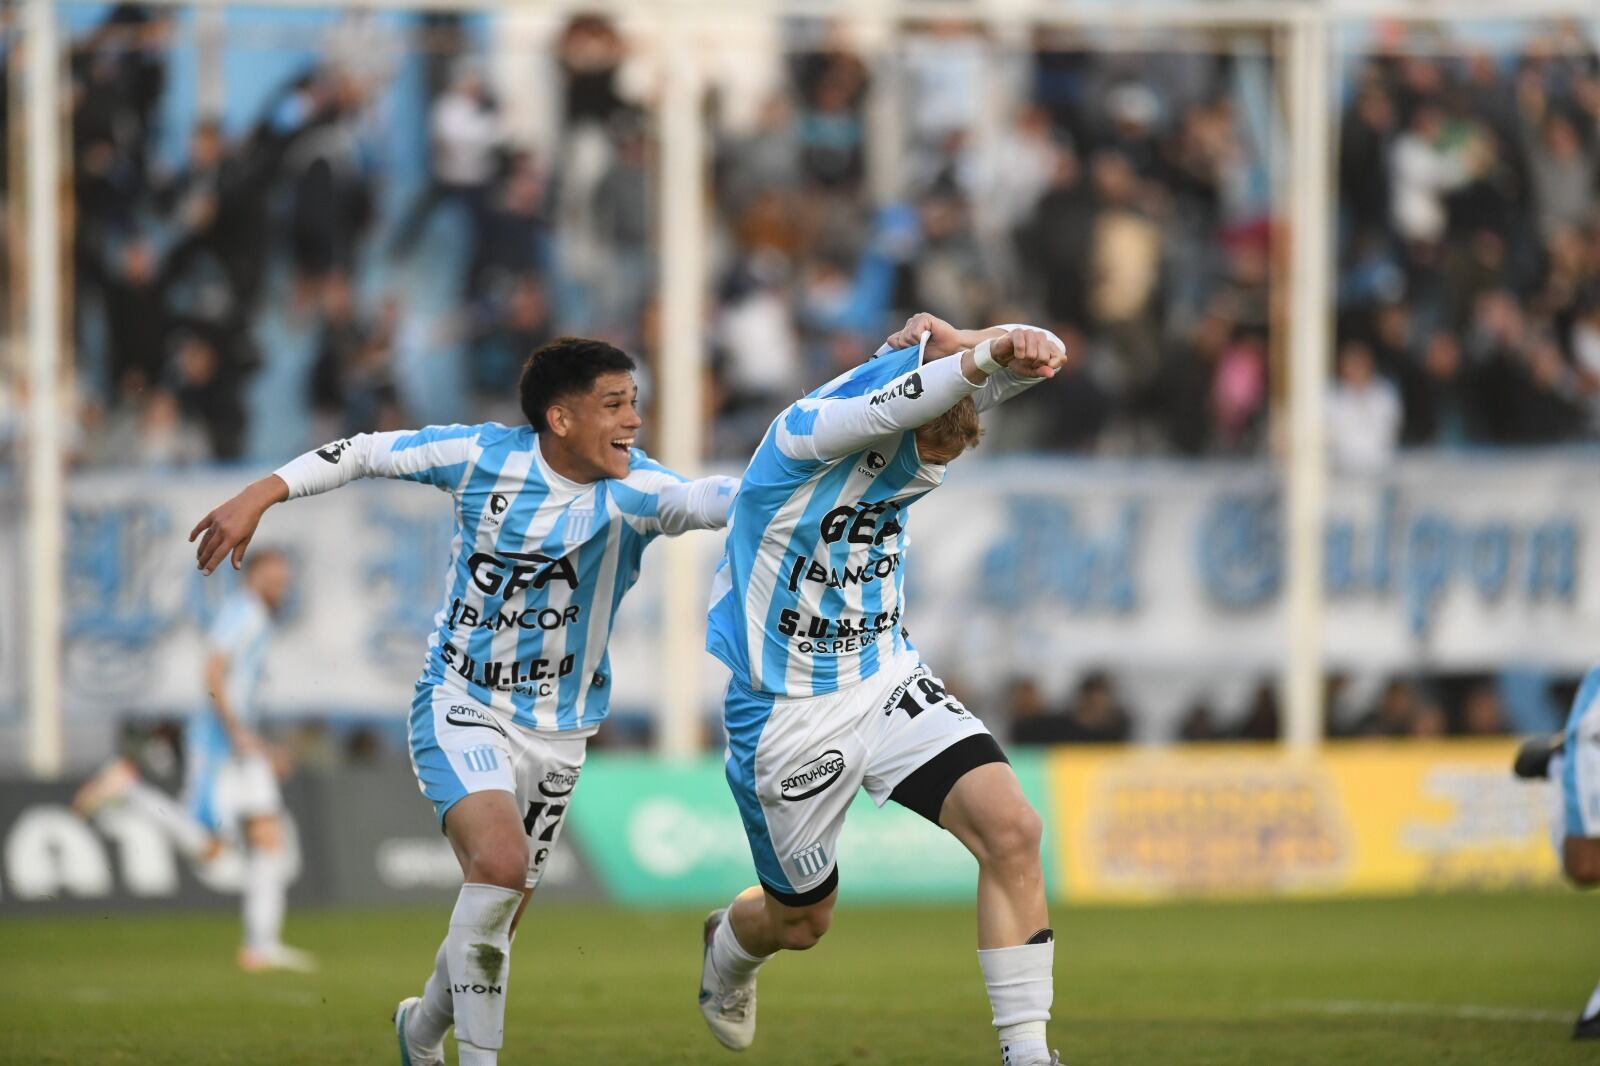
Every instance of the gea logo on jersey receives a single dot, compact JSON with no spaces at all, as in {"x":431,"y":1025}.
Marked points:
{"x":814,"y":777}
{"x":910,"y":388}
{"x":496,"y":576}
{"x":331,"y":452}
{"x":859,"y":525}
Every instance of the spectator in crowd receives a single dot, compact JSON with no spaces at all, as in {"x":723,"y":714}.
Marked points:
{"x":1096,"y":714}
{"x":466,"y":138}
{"x":1363,"y":414}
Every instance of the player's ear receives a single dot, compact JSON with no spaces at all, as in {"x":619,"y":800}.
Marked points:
{"x":558,"y":419}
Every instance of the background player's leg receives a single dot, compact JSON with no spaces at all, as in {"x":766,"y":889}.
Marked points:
{"x":987,"y":811}
{"x":119,"y":786}
{"x":487,"y":833}
{"x":266,"y":893}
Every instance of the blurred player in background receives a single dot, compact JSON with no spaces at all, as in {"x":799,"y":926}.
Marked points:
{"x":828,"y":694}
{"x":552,"y":519}
{"x":1571,"y":759}
{"x":231,"y":799}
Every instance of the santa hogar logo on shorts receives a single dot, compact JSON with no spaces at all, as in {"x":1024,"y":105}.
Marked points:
{"x":464,"y":715}
{"x":814,"y":776}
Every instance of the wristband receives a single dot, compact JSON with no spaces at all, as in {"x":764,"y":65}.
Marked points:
{"x":983,"y":356}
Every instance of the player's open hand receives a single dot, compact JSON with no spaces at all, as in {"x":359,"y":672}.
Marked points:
{"x":1033,"y":354}
{"x":944,"y":338}
{"x":228,"y":528}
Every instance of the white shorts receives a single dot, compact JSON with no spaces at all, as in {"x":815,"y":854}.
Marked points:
{"x":225,"y":791}
{"x":459,"y":746}
{"x":794,"y":766}
{"x":1580,"y":764}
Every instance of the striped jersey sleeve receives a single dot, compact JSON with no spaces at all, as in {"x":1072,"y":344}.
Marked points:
{"x":655,"y":500}
{"x":434,"y":455}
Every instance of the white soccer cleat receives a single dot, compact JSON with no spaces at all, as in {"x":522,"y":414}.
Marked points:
{"x":730,"y":1012}
{"x":105,"y":787}
{"x":411,"y":1052}
{"x":277,"y":957}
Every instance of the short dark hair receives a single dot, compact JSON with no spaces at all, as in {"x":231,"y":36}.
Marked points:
{"x":565,"y":366}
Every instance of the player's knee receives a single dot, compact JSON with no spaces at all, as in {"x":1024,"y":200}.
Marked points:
{"x":802,"y":930}
{"x":1012,"y":841}
{"x":504,"y":867}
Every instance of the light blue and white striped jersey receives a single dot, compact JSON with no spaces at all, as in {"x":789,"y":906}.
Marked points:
{"x":810,"y":594}
{"x":242,"y":631}
{"x":539,"y":563}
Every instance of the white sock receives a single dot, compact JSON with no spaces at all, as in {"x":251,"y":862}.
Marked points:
{"x":1592,"y":1008}
{"x":1558,"y":805}
{"x":478,"y":955}
{"x":733,"y":963}
{"x":429,"y":1022}
{"x":1021,"y":988}
{"x":184,"y":829}
{"x":266,"y":893}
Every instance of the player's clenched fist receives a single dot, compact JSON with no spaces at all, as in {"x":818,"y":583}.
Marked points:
{"x":944,"y":339}
{"x":1033,"y":354}
{"x":228,"y":528}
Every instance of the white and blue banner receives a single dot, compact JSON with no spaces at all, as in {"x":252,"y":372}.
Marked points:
{"x":1458,"y":563}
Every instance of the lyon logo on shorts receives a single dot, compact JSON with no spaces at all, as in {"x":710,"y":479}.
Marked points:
{"x":814,"y":776}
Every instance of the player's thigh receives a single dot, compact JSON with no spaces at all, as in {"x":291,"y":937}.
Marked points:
{"x":486,"y":833}
{"x":793,"y":767}
{"x":987,"y":811}
{"x":923,"y":743}
{"x":547,"y":768}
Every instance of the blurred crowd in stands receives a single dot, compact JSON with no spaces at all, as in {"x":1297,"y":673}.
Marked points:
{"x":1472,"y":705}
{"x":1469,"y":286}
{"x":1124,"y":198}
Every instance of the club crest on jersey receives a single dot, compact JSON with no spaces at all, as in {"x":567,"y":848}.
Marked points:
{"x":816,"y":776}
{"x":331,"y":452}
{"x":910,"y":388}
{"x":496,"y":507}
{"x":873,"y":463}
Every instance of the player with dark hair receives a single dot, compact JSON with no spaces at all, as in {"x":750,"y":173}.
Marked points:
{"x":552,"y":519}
{"x":828,"y":694}
{"x":1571,"y":761}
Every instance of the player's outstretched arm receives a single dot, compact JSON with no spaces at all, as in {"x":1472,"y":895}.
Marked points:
{"x":435,"y":455}
{"x":703,"y":504}
{"x":829,"y":429}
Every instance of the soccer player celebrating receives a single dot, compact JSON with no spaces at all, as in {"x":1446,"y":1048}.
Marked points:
{"x":828,"y":695}
{"x":231,"y":797}
{"x":552,"y":519}
{"x":1571,"y":759}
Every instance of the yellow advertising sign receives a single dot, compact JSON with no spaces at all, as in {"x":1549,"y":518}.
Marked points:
{"x":1249,"y":820}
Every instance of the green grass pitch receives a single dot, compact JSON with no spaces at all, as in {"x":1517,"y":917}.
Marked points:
{"x":1453,"y":979}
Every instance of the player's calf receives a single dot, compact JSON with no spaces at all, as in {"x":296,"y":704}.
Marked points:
{"x":1580,"y":859}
